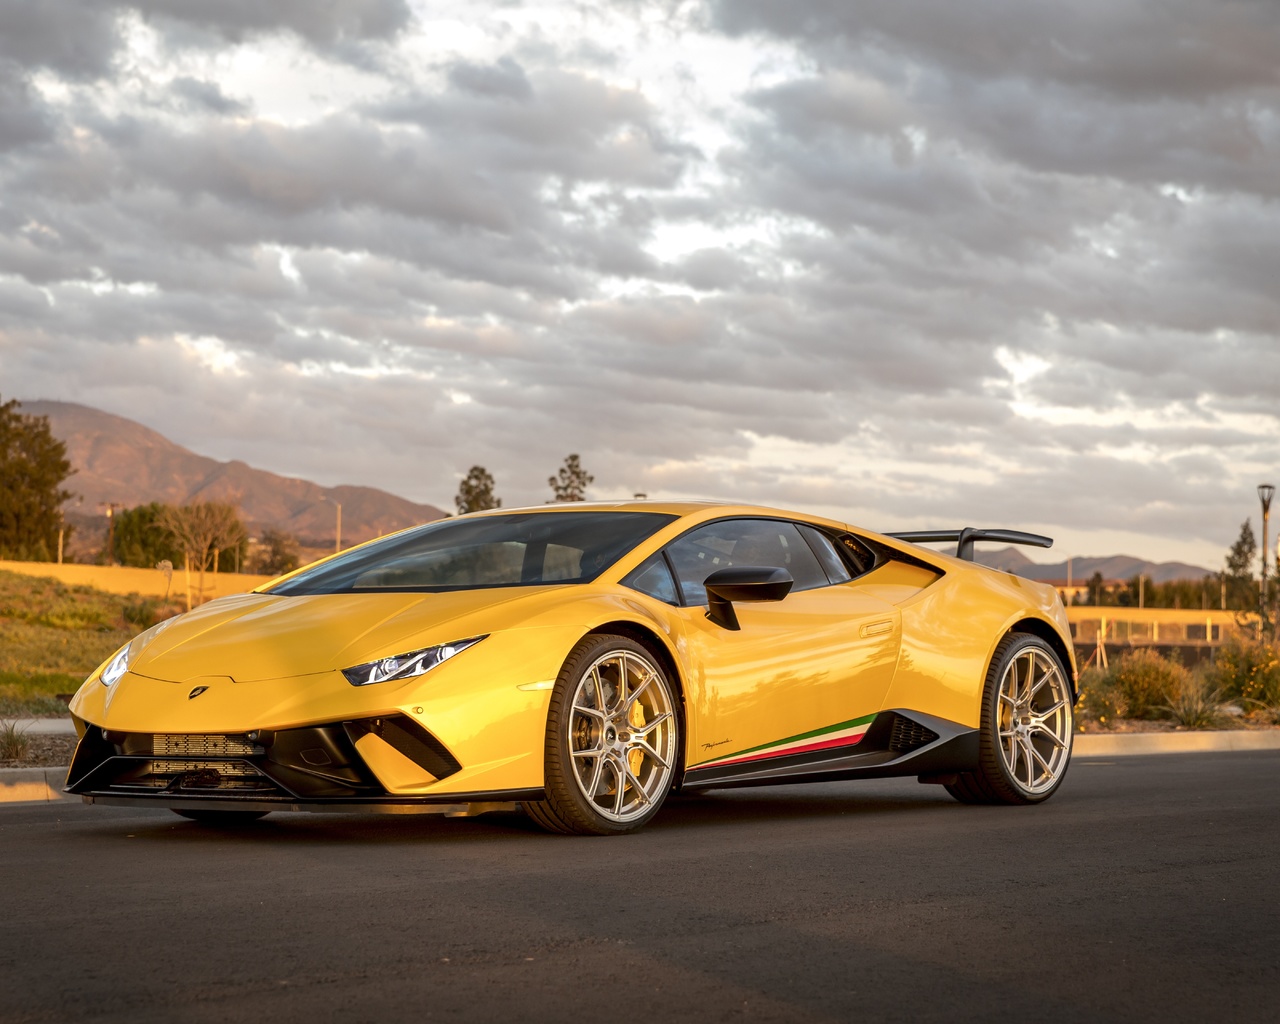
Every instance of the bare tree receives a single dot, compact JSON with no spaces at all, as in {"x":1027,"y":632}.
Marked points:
{"x":201,"y":529}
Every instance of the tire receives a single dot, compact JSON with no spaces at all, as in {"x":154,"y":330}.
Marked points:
{"x":1024,"y":746}
{"x":613,"y":740}
{"x":223,"y":818}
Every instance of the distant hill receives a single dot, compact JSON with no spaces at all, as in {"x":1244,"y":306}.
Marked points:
{"x":119,"y":460}
{"x":1114,"y":567}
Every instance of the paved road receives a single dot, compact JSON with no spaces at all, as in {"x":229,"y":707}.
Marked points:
{"x":1147,"y":889}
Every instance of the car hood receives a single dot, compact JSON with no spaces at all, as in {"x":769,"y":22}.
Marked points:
{"x":254,"y":637}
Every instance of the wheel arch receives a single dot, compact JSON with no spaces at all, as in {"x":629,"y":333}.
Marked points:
{"x":1046,"y":632}
{"x":651,"y":639}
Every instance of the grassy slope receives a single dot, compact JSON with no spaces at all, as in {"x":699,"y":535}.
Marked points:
{"x":53,"y":635}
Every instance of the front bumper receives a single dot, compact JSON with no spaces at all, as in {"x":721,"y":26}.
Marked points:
{"x":363,"y":765}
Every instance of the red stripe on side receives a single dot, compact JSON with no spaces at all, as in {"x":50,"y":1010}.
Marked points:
{"x":844,"y":741}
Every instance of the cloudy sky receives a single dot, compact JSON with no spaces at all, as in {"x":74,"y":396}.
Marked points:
{"x":910,"y":263}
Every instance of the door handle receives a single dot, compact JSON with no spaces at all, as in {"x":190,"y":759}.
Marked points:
{"x":876,"y":629}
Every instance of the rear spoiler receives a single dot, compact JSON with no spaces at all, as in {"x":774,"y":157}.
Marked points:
{"x":964,"y":539}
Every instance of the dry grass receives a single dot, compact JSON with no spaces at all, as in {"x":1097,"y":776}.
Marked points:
{"x":53,"y":635}
{"x":14,"y":744}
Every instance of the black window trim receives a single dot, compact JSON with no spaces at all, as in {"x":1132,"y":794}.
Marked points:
{"x":855,"y":574}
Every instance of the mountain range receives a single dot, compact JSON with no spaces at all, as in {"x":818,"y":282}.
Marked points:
{"x":1114,"y":567}
{"x":120,"y":461}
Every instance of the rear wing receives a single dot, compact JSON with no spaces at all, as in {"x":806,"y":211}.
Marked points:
{"x":965,"y":539}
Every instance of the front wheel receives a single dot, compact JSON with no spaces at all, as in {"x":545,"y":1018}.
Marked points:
{"x":613,"y":740}
{"x":1026,"y":731}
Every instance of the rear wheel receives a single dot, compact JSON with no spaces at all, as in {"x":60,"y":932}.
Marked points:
{"x":613,"y":738}
{"x":1026,"y":730}
{"x":229,"y":818}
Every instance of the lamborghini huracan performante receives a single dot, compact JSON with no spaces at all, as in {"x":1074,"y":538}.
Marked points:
{"x":583,"y":662}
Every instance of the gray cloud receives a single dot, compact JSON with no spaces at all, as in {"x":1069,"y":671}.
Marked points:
{"x":1006,"y":264}
{"x":76,"y":38}
{"x":324,"y":23}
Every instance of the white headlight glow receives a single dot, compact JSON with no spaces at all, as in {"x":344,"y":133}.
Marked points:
{"x":124,"y":657}
{"x":406,"y":666}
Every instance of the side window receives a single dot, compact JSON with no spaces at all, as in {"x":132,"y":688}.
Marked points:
{"x":765,"y":542}
{"x":824,"y":547}
{"x":652,"y":577}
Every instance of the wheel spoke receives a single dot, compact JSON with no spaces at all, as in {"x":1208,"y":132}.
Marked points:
{"x":1044,"y":678}
{"x":622,"y":685}
{"x":599,"y":687}
{"x":1027,"y":755}
{"x":594,"y":752}
{"x":1030,"y":679}
{"x":648,"y":751}
{"x":648,"y":727}
{"x":1036,"y":754}
{"x":581,"y":709}
{"x":635,"y":694}
{"x":621,"y":788}
{"x":635,"y":783}
{"x":1049,"y":734}
{"x":594,"y":786}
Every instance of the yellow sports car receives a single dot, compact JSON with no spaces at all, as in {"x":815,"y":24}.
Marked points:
{"x":583,"y":661}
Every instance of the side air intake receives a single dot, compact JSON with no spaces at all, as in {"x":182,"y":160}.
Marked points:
{"x":906,"y":735}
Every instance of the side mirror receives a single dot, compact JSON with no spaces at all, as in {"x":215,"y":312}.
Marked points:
{"x":743,"y":583}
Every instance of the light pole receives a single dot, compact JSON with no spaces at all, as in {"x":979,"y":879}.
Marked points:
{"x":337,"y":527}
{"x":1265,"y":493}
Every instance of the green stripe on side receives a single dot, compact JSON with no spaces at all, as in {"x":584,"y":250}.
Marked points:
{"x":801,"y":736}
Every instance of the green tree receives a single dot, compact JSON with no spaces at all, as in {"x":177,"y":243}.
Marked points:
{"x":475,"y":493}
{"x":1096,"y":589}
{"x":277,"y":553}
{"x":572,"y":482}
{"x":138,"y":539}
{"x":1242,"y":591}
{"x":33,"y":466}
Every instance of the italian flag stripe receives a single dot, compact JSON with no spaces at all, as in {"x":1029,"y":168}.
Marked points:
{"x":844,"y":734}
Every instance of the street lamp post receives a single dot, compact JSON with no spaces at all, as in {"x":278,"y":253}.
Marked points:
{"x":337,"y":527}
{"x":1265,"y":493}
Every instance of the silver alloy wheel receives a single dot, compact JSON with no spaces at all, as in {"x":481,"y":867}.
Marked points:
{"x":622,"y":735}
{"x":1035,"y":721}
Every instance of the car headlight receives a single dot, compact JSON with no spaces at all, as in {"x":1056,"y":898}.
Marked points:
{"x":406,"y":666}
{"x":124,"y":657}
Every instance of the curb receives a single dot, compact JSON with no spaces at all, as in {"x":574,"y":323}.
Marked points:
{"x":33,"y":785}
{"x":1127,"y":744}
{"x":42,"y":726}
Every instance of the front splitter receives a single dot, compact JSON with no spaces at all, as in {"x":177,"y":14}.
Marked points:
{"x":463,"y":805}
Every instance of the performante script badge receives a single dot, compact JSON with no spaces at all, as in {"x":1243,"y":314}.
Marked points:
{"x":196,"y":692}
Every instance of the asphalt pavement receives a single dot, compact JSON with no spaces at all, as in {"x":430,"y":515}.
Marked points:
{"x":1148,"y":888}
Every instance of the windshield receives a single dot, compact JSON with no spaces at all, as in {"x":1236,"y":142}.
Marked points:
{"x":519,"y":550}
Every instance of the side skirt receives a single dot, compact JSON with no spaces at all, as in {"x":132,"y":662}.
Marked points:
{"x":897,"y":743}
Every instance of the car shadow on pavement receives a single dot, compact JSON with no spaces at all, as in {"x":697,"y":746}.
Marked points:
{"x":681,"y":812}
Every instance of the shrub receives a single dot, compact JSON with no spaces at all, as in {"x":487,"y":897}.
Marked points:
{"x":142,"y":612}
{"x":1100,"y":699}
{"x":1194,"y":702}
{"x":1146,"y":680}
{"x":1248,"y":671}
